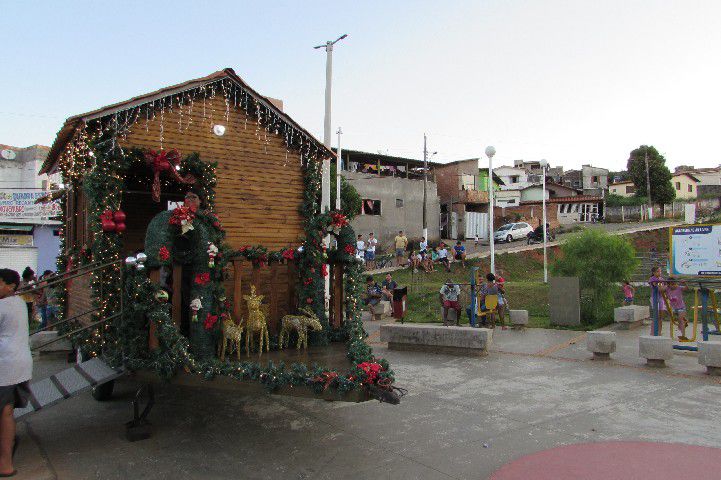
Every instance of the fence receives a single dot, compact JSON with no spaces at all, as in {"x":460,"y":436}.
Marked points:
{"x":637,"y":213}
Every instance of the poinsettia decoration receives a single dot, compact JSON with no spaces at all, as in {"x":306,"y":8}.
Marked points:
{"x":210,"y":321}
{"x":289,"y":254}
{"x":183,"y":217}
{"x":164,"y":253}
{"x":338,"y":220}
{"x":349,"y":249}
{"x":202,"y":278}
{"x":372,"y":370}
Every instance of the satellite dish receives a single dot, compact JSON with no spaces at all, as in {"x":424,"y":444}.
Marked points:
{"x":219,"y":130}
{"x":7,"y":154}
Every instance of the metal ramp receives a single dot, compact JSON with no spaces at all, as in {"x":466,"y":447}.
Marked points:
{"x":68,"y":383}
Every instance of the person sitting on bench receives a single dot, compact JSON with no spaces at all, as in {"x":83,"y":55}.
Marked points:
{"x":372,"y":298}
{"x":449,"y":295}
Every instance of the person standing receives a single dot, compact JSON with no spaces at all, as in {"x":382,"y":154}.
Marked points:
{"x":16,"y":365}
{"x":401,"y":243}
{"x":371,"y":251}
{"x":29,"y":298}
{"x":360,"y":247}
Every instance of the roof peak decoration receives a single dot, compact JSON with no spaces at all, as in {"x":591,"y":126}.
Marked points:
{"x":72,"y":153}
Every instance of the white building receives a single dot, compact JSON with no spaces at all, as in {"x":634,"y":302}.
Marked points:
{"x":28,"y":234}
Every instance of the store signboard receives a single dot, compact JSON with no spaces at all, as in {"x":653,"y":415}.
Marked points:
{"x":12,"y":240}
{"x":16,"y":205}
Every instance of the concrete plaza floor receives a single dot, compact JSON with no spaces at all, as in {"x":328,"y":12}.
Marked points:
{"x":462,"y":418}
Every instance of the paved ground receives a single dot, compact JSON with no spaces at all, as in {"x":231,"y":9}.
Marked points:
{"x":463,"y":418}
{"x":520,"y":246}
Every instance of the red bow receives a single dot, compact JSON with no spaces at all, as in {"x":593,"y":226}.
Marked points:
{"x":165,"y":161}
{"x":326,"y":378}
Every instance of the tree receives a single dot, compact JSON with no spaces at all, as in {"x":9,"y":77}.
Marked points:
{"x":599,"y":260}
{"x":350,"y":200}
{"x":662,"y":190}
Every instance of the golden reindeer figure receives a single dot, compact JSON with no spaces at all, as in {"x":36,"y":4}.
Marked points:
{"x":231,"y":337}
{"x":255,"y":323}
{"x":299,"y":323}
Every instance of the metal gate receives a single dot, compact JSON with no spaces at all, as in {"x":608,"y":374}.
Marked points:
{"x":454,"y":225}
{"x":476,"y":224}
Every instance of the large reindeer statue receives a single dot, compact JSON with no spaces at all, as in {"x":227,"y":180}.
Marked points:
{"x":256,"y":322}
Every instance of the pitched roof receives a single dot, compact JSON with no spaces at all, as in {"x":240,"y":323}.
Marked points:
{"x":71,"y":124}
{"x":688,"y":174}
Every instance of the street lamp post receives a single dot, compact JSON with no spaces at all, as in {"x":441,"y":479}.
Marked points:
{"x":544,"y":165}
{"x":490,"y":152}
{"x":338,"y":165}
{"x":425,"y":181}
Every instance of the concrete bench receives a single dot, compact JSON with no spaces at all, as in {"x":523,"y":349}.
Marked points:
{"x":601,"y":343}
{"x":519,"y":318}
{"x":630,"y":316}
{"x":656,"y":350}
{"x":437,"y":338}
{"x":382,"y":309}
{"x":41,"y":338}
{"x":452,"y":317}
{"x":709,"y":355}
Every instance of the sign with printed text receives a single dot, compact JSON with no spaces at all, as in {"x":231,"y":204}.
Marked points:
{"x":20,"y":205}
{"x":696,"y":250}
{"x":16,"y":240}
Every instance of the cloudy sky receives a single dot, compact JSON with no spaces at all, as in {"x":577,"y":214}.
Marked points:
{"x":574,"y":81}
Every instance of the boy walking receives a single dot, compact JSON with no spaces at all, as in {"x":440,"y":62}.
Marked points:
{"x":371,"y":251}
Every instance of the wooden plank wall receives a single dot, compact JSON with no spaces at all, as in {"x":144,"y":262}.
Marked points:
{"x":260,"y":184}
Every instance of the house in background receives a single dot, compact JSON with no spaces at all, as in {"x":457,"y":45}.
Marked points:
{"x":592,"y":180}
{"x":392,"y":192}
{"x":512,"y":176}
{"x":685,"y":185}
{"x":708,"y":179}
{"x":622,"y":189}
{"x":28,"y":232}
{"x":463,"y":191}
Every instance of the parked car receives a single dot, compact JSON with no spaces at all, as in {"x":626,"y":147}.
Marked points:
{"x":512,"y":231}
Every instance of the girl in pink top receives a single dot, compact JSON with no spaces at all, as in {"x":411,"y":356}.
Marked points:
{"x":628,"y":293}
{"x":674,"y":293}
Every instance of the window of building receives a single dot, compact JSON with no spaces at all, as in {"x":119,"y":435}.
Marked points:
{"x":370,"y":207}
{"x":630,"y":188}
{"x":576,"y":183}
{"x":514,"y":178}
{"x":399,"y":202}
{"x":678,"y":185}
{"x":468,"y":182}
{"x":690,"y":187}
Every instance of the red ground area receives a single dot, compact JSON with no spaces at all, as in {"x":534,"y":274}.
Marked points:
{"x":616,"y":461}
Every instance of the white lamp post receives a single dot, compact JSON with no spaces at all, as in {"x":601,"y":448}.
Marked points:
{"x":490,"y":152}
{"x":544,"y":164}
{"x":338,"y":165}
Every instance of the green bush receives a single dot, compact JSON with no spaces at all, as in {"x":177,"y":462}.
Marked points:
{"x":599,"y":260}
{"x":613,"y":200}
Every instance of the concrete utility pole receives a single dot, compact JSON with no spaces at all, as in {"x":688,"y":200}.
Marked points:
{"x":490,"y":152}
{"x":425,"y":181}
{"x":325,"y":177}
{"x":338,"y":166}
{"x":544,"y":164}
{"x":648,"y":183}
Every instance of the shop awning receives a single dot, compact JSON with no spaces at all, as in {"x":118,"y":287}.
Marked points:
{"x":20,"y":228}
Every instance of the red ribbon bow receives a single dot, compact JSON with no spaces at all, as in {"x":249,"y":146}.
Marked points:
{"x":165,"y":161}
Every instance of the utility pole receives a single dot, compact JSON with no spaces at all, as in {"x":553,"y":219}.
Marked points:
{"x":338,"y":165}
{"x":490,"y":152}
{"x":425,"y":181}
{"x":648,"y":183}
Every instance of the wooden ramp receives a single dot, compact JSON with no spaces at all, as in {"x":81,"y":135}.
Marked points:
{"x":68,"y":383}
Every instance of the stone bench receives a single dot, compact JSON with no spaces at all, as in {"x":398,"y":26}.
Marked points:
{"x":656,"y":350}
{"x":630,"y":316}
{"x":519,"y":318}
{"x":709,"y":355}
{"x":437,"y":338}
{"x":41,"y":338}
{"x":601,"y":343}
{"x":382,"y":309}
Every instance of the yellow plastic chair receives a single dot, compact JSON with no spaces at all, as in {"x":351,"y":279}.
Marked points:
{"x":491,"y":306}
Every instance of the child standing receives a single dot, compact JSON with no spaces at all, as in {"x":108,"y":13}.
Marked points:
{"x":674,"y":293}
{"x":628,"y":293}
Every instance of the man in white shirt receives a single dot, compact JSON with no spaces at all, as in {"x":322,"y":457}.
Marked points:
{"x":360,"y":247}
{"x":371,"y":251}
{"x":16,"y":364}
{"x":443,"y":257}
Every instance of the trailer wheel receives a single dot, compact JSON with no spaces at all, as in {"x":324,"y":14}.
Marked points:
{"x":104,"y":391}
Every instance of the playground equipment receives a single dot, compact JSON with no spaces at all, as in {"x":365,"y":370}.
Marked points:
{"x":492,"y":302}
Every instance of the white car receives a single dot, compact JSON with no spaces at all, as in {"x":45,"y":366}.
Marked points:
{"x":512,"y":231}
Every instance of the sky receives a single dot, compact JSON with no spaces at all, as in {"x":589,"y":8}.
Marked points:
{"x":572,"y":81}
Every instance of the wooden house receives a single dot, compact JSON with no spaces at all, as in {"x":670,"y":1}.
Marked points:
{"x":259,"y":152}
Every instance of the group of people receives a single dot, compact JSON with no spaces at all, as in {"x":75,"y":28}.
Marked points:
{"x":424,"y":258}
{"x":38,"y":301}
{"x":375,"y":294}
{"x":450,"y":295}
{"x":673,"y":291}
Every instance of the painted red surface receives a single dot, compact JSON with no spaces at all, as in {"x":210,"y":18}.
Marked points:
{"x":616,"y":461}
